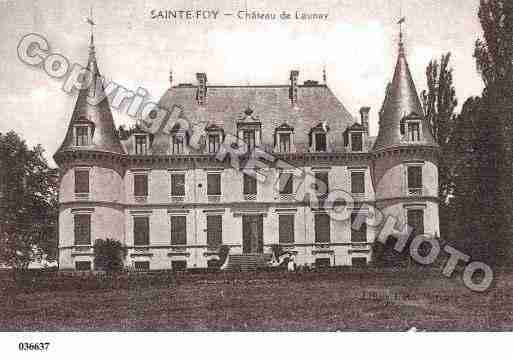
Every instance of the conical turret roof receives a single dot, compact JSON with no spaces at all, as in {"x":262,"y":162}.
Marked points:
{"x":401,"y":101}
{"x":92,"y":107}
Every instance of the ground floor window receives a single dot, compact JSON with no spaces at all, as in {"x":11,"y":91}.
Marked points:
{"x":322,"y":262}
{"x":359,"y":262}
{"x":142,"y":265}
{"x":83,"y":265}
{"x":178,"y":265}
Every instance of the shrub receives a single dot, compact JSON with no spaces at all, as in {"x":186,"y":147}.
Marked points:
{"x":109,"y":255}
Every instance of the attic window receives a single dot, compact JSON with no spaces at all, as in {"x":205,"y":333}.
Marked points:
{"x":82,"y":135}
{"x":141,"y":144}
{"x":413,"y":131}
{"x":318,"y":141}
{"x":410,"y":128}
{"x":178,"y":140}
{"x":214,"y":138}
{"x":283,"y":139}
{"x":357,"y":141}
{"x":249,"y":134}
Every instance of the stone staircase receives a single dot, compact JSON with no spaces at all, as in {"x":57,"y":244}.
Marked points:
{"x":247,"y":262}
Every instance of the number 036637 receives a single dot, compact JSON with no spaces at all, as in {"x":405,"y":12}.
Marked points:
{"x":33,"y":346}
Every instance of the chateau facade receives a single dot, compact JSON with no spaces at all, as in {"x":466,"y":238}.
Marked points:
{"x":173,"y":193}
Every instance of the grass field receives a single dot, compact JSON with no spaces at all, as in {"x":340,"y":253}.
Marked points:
{"x":270,"y":301}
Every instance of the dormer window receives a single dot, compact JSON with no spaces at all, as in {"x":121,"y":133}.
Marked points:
{"x":178,"y":140}
{"x":82,"y":135}
{"x":249,"y":130}
{"x":353,"y":137}
{"x":215,"y":136}
{"x":318,"y":141}
{"x":411,"y":129}
{"x":141,"y":144}
{"x":283,"y":139}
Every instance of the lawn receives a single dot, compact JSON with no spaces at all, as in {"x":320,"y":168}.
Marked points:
{"x":347,"y":300}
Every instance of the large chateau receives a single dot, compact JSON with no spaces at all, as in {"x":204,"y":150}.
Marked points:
{"x":174,"y":196}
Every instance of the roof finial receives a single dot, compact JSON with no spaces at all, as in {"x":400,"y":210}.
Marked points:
{"x":402,"y":20}
{"x":91,"y":22}
{"x":324,"y":77}
{"x":171,"y":76}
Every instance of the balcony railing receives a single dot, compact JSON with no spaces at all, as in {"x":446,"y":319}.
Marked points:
{"x":250,"y":197}
{"x":287,"y":197}
{"x":214,"y":198}
{"x":177,"y":198}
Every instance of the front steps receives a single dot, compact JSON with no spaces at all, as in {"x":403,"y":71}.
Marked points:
{"x":247,"y":262}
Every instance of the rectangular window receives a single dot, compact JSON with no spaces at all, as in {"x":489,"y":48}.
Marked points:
{"x":142,"y":265}
{"x":359,"y":262}
{"x":284,"y":142}
{"x":286,"y":183}
{"x":214,"y":143}
{"x":82,"y":229}
{"x":416,"y":221}
{"x":356,"y":142}
{"x":178,"y":231}
{"x":414,"y":177}
{"x":141,"y":145}
{"x":249,"y":137}
{"x":322,"y":183}
{"x":322,"y":228}
{"x":81,"y":181}
{"x":214,"y":184}
{"x":414,"y":132}
{"x":178,"y":146}
{"x":82,"y":265}
{"x":286,"y":228}
{"x":178,"y":265}
{"x":320,"y":142}
{"x":250,"y":184}
{"x":358,"y":182}
{"x":141,"y":185}
{"x":141,"y":231}
{"x":214,"y":231}
{"x":358,"y":235}
{"x":82,"y":136}
{"x":178,"y":184}
{"x":322,"y":262}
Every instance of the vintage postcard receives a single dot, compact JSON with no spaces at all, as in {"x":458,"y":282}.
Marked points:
{"x":255,"y":166}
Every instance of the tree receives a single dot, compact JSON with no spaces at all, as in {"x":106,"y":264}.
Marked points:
{"x":439,"y":102}
{"x":28,"y":204}
{"x":109,"y":255}
{"x":494,"y":61}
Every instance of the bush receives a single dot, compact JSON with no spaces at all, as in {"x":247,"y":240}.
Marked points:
{"x":109,"y":255}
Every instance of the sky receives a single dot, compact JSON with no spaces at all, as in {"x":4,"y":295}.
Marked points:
{"x":357,"y":44}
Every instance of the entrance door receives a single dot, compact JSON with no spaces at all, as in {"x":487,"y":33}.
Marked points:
{"x":252,"y":234}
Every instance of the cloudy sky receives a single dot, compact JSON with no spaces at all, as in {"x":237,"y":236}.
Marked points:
{"x":357,"y":44}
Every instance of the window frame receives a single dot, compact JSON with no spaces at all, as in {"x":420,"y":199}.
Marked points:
{"x":173,"y":186}
{"x":317,"y":231}
{"x":352,"y":182}
{"x":141,"y":149}
{"x":316,"y":144}
{"x":146,"y":192}
{"x":76,"y":178}
{"x":409,"y":179}
{"x":410,"y":134}
{"x":290,"y":182}
{"x":176,"y":232}
{"x":219,"y":186}
{"x":87,"y":135}
{"x":358,"y":236}
{"x":360,"y":135}
{"x":78,"y":230}
{"x":286,"y":236}
{"x":249,"y":185}
{"x":136,"y":234}
{"x":214,"y":235}
{"x":317,"y":175}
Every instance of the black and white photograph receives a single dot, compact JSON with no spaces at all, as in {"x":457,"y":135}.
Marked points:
{"x":181,"y":166}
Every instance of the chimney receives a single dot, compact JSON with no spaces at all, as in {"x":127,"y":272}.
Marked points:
{"x":364,"y":113}
{"x":294,"y":74}
{"x":201,"y":93}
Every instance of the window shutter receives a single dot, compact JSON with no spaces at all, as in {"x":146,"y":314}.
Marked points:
{"x":357,"y":182}
{"x":359,"y":235}
{"x":141,"y":231}
{"x":82,"y":229}
{"x":214,"y":231}
{"x":178,"y":230}
{"x":178,"y":185}
{"x":286,"y":183}
{"x":141,"y":185}
{"x":322,"y":228}
{"x":82,"y":181}
{"x":414,"y":177}
{"x":214,"y":184}
{"x":286,"y":229}
{"x":250,"y":184}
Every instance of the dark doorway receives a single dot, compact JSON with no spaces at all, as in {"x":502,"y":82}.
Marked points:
{"x":252,"y":234}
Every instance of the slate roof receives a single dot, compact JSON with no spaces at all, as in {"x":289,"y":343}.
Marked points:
{"x":92,"y":106}
{"x":401,"y":101}
{"x":226,"y":106}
